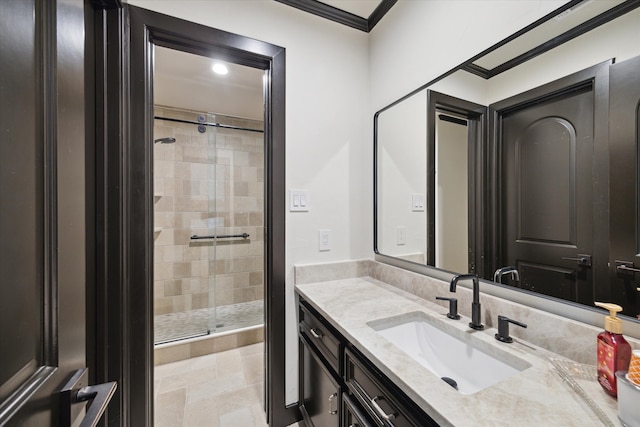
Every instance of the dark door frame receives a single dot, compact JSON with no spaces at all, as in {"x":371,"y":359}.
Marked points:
{"x":476,"y":115}
{"x":124,"y":197}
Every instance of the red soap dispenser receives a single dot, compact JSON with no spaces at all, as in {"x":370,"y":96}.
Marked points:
{"x":614,"y":352}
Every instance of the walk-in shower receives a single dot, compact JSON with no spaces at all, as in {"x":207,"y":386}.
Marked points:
{"x":208,"y":229}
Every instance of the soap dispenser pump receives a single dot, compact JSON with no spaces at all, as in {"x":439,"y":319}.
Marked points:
{"x":614,"y":352}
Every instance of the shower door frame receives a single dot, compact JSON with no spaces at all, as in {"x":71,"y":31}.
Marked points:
{"x":125,"y":198}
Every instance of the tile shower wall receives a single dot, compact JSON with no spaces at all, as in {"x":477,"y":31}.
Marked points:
{"x":182,"y":205}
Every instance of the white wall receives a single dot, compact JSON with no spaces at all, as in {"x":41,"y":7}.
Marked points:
{"x":402,"y":160}
{"x":419,"y":40}
{"x":452,"y":210}
{"x":329,"y":131}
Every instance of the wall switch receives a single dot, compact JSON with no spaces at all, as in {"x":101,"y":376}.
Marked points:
{"x":324,"y":240}
{"x":417,"y":202}
{"x":401,"y":236}
{"x":298,"y":201}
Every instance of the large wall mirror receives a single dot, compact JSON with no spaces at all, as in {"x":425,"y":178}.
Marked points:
{"x":522,"y":164}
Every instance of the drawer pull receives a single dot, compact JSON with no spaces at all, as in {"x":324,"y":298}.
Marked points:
{"x":379,"y":410}
{"x":332,"y":411}
{"x":316,"y":333}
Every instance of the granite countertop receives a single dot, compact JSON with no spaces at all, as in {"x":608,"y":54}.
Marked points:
{"x":534,"y":397}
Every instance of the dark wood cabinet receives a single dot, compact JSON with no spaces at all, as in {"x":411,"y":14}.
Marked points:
{"x":339,"y":386}
{"x":320,"y":391}
{"x":385,"y":404}
{"x":352,"y":415}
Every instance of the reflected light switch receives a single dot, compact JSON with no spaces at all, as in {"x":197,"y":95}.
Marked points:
{"x":401,"y":236}
{"x":298,"y":200}
{"x":417,"y":202}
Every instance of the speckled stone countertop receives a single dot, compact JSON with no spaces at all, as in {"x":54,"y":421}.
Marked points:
{"x":536,"y":396}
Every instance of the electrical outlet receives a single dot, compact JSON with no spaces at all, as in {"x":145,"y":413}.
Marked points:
{"x":401,"y":236}
{"x":324,"y":240}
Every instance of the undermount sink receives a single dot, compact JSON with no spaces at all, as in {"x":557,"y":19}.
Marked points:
{"x":450,"y":353}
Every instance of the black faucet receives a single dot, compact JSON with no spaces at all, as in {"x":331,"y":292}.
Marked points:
{"x":453,"y":307}
{"x":497,"y":276}
{"x":503,"y":328}
{"x":475,"y":323}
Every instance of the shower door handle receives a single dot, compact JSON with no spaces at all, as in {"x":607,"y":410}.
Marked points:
{"x":76,"y":393}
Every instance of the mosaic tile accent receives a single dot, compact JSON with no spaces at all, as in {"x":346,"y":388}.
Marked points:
{"x":186,"y":324}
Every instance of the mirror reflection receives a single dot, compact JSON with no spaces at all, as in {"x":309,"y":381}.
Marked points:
{"x":516,"y":177}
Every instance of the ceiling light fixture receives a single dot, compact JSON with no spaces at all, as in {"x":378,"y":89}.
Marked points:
{"x":219,"y":68}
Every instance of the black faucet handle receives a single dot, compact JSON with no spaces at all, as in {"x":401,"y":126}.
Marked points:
{"x":503,"y":328}
{"x":453,"y":307}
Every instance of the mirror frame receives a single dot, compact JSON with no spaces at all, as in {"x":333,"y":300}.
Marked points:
{"x":564,"y":308}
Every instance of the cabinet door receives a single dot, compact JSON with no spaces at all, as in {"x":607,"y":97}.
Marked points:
{"x":319,"y":391}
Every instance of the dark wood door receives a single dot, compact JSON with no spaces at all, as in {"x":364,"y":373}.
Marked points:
{"x":546,"y":157}
{"x":624,"y":133}
{"x":42,"y":210}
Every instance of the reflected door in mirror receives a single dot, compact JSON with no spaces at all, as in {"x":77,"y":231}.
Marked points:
{"x":625,"y":173}
{"x":546,"y":146}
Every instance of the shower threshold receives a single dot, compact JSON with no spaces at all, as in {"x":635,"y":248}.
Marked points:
{"x":190,"y":324}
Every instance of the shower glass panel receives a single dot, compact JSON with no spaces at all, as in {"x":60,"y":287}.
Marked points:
{"x":213,"y":219}
{"x":185,"y":220}
{"x":237,"y":291}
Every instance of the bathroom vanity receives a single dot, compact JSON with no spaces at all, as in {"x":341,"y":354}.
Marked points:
{"x":357,"y":367}
{"x":341,"y":386}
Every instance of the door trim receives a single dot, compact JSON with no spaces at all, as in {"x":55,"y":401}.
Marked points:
{"x":127,"y":200}
{"x":476,"y":115}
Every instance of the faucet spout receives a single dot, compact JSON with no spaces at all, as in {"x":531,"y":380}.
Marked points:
{"x":476,"y":322}
{"x":513,"y":271}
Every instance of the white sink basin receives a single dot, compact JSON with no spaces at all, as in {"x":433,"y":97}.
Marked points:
{"x":449,"y":352}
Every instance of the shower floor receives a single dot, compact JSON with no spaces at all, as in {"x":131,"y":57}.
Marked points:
{"x":186,"y":324}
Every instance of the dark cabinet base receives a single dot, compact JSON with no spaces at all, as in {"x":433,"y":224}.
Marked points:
{"x":340,"y":387}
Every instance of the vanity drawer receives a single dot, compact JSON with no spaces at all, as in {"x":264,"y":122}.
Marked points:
{"x":353,"y":415}
{"x":384,"y":402}
{"x":321,"y":335}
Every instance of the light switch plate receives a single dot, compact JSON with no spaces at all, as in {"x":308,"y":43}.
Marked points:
{"x":298,"y":200}
{"x":417,"y":202}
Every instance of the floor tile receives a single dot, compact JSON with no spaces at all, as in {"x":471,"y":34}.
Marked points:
{"x":217,"y":390}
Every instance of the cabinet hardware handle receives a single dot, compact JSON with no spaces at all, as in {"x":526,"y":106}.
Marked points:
{"x":380,"y":411}
{"x":316,"y":333}
{"x":332,"y":411}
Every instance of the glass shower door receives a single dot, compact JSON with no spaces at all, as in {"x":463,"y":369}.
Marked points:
{"x":213,"y":219}
{"x":184,"y":225}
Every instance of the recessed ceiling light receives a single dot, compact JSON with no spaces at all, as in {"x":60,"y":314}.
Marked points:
{"x":219,"y":68}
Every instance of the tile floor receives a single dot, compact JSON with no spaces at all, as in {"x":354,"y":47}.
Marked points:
{"x":217,"y":390}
